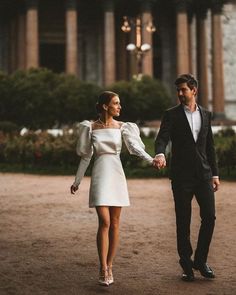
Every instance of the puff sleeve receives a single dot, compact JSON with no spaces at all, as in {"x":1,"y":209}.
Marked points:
{"x":84,"y":149}
{"x":131,"y":136}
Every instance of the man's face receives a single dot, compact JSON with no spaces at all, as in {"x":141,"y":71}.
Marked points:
{"x":185,"y":94}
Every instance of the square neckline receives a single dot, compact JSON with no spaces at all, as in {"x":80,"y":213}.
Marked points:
{"x":109,"y":128}
{"x":92,"y":130}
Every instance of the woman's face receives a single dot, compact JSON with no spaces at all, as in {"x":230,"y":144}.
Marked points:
{"x":114,"y":107}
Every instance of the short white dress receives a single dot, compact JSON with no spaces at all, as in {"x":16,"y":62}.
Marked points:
{"x":108,"y":183}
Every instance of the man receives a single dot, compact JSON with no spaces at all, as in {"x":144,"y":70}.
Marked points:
{"x":193,"y":171}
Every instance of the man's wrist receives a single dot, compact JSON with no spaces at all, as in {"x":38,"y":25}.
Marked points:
{"x":161,"y":154}
{"x":215,"y":177}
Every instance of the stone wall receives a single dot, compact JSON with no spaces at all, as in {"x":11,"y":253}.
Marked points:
{"x":229,"y":56}
{"x":229,"y":44}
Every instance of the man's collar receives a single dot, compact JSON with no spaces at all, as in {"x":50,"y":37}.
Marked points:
{"x":186,"y":108}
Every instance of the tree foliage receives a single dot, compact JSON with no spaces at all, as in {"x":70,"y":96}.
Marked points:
{"x":41,"y":99}
{"x":144,"y":99}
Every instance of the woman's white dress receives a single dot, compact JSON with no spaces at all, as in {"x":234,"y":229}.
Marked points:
{"x":108,"y":183}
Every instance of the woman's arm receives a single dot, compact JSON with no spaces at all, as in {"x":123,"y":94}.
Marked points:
{"x":83,"y":165}
{"x":133,"y":142}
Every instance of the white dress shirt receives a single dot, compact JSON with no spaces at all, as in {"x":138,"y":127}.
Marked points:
{"x":194,"y":120}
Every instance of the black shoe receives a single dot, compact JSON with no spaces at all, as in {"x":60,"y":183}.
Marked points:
{"x":205,"y":270}
{"x":188,"y":275}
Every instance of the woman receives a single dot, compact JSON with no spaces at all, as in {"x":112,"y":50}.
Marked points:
{"x":108,"y":189}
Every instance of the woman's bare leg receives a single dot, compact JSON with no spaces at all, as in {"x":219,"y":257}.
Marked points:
{"x":103,"y":235}
{"x":113,"y":233}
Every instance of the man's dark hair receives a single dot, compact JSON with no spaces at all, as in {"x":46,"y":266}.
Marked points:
{"x":187,"y":78}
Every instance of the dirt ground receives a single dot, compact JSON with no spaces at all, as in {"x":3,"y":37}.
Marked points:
{"x":47,"y":240}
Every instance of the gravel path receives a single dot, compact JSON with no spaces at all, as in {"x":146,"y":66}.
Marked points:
{"x":47,"y":240}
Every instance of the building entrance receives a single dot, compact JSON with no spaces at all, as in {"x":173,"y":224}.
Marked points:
{"x":52,"y":56}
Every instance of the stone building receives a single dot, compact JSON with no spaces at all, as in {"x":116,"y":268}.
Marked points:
{"x":84,"y":37}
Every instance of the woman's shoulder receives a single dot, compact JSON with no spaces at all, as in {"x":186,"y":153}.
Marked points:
{"x":120,"y":123}
{"x":128,"y":125}
{"x":85,"y":123}
{"x":84,"y":127}
{"x":129,"y":128}
{"x":84,"y":147}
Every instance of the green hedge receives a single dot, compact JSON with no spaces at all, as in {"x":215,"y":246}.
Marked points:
{"x":144,"y":99}
{"x":226,"y":152}
{"x":41,"y":99}
{"x":44,"y":153}
{"x":42,"y":150}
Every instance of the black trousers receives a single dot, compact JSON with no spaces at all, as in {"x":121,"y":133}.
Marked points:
{"x":183,"y":193}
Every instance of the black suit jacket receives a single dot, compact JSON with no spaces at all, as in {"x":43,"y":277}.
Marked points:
{"x":189,"y":159}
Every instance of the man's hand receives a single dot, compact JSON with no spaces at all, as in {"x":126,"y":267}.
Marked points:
{"x":215,"y":183}
{"x":73,"y":189}
{"x":159,"y":161}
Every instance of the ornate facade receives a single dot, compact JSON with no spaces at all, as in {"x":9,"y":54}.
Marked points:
{"x":85,"y":38}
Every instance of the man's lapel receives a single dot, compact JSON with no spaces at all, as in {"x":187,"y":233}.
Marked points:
{"x":203,"y":117}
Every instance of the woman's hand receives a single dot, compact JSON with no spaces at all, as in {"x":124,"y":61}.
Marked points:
{"x":73,"y":189}
{"x":159,"y":161}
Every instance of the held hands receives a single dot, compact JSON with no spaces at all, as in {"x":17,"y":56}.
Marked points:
{"x":73,"y":189}
{"x":159,"y":162}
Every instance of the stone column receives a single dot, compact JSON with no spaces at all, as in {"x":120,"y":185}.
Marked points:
{"x":190,"y":42}
{"x":122,"y":56}
{"x":133,"y":65}
{"x":21,"y":38}
{"x":13,"y":45}
{"x":182,"y":41}
{"x":217,"y":64}
{"x":109,"y":43}
{"x":32,"y":38}
{"x":3,"y":48}
{"x":71,"y":37}
{"x":202,"y":60}
{"x":147,"y":58}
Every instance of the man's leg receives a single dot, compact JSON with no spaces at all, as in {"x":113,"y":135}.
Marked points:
{"x":205,"y":197}
{"x":183,"y":194}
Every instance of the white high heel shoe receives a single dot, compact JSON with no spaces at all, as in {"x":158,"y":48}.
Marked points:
{"x":103,"y":278}
{"x":110,"y":275}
